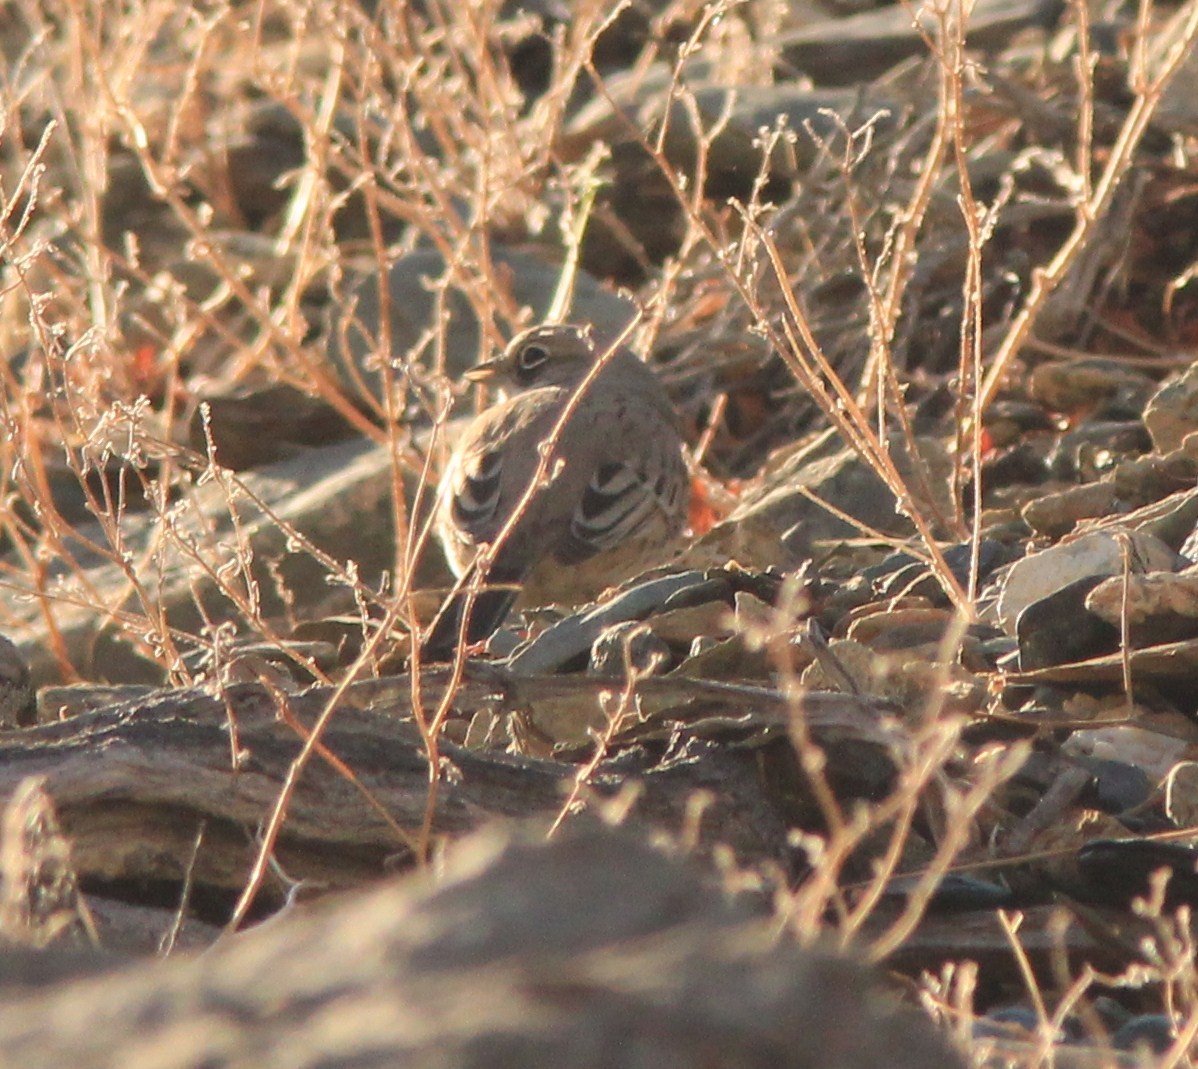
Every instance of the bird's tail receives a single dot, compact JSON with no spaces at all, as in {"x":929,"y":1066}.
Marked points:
{"x":488,"y":610}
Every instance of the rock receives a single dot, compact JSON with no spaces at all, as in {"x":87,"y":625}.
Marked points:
{"x":1118,"y":787}
{"x":1009,"y":422}
{"x":1056,"y":629}
{"x":337,"y":497}
{"x":1116,"y":870}
{"x":1160,"y":607}
{"x":1095,"y":555}
{"x":861,"y":47}
{"x":1093,"y":449}
{"x":590,"y":950}
{"x":1153,"y":1032}
{"x":1154,"y":749}
{"x":570,"y":638}
{"x":254,"y":428}
{"x":1018,"y":467}
{"x":1181,"y":793}
{"x":1172,"y":517}
{"x":413,"y":306}
{"x":638,"y":220}
{"x":1056,"y":514}
{"x":129,"y":208}
{"x":780,"y":522}
{"x":1107,"y":388}
{"x":628,"y":646}
{"x":1172,"y":412}
{"x":738,"y":112}
{"x":265,"y":149}
{"x":1177,"y":111}
{"x":1143,"y":480}
{"x":904,"y":574}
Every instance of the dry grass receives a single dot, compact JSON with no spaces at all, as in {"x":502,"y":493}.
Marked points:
{"x":130,"y":291}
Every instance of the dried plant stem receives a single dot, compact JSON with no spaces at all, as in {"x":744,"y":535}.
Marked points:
{"x":1092,"y":210}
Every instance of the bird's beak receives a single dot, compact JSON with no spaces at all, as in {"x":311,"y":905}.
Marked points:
{"x":484,"y":372}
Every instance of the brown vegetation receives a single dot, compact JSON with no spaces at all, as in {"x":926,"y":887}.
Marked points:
{"x":246,"y":251}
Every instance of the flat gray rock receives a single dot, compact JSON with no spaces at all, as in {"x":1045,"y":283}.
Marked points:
{"x":336,"y":497}
{"x":413,"y":305}
{"x":591,"y":950}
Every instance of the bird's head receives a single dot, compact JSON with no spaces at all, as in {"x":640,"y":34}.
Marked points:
{"x":557,"y":355}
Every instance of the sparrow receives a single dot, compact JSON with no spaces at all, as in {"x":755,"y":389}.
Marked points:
{"x":573,"y":482}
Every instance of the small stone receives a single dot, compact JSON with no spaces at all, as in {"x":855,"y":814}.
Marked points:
{"x":1172,"y":412}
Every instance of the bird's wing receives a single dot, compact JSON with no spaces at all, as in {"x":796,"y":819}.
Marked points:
{"x":492,"y":468}
{"x":475,"y":490}
{"x":633,"y":490}
{"x":490,"y":473}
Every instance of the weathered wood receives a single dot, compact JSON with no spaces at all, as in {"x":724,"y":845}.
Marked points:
{"x":136,"y":783}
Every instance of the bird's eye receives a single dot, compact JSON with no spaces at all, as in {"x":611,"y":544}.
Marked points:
{"x":529,"y":358}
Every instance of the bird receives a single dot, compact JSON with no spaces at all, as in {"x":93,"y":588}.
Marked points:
{"x":574,"y":481}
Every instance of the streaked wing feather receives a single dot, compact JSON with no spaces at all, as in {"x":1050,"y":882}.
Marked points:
{"x":620,"y":500}
{"x":476,"y":491}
